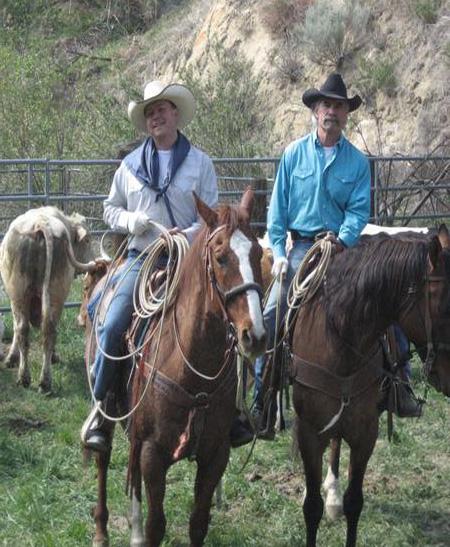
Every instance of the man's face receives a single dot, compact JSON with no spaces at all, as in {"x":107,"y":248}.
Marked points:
{"x":331,"y":115}
{"x":162,"y":119}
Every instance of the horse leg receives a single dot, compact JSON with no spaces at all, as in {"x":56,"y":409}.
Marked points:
{"x":100,"y":512}
{"x":137,"y":532}
{"x":331,"y":485}
{"x":209,"y":473}
{"x":154,"y":470}
{"x":311,"y":449}
{"x":360,"y":453}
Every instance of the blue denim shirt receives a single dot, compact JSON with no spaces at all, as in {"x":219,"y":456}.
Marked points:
{"x":312,"y":194}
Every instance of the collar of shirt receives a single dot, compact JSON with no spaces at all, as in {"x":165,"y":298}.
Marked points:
{"x":317,"y":142}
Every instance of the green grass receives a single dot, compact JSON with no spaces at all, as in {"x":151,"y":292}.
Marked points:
{"x":46,"y":494}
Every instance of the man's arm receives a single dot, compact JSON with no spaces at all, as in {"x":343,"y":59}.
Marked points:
{"x":115,"y":212}
{"x":208,"y":193}
{"x":357,"y":211}
{"x":277,"y":216}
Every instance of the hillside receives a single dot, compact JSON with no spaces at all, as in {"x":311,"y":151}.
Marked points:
{"x":78,"y":63}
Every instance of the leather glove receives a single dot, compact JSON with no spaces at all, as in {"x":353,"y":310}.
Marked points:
{"x":280,"y":266}
{"x":138,"y":223}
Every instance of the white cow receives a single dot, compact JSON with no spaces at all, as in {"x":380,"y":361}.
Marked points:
{"x":39,"y":256}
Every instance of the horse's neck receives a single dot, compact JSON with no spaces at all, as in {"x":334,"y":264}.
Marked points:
{"x":200,"y":320}
{"x":315,"y":342}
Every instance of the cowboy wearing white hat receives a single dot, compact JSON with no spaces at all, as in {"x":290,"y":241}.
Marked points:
{"x":155,"y":182}
{"x":178,"y":94}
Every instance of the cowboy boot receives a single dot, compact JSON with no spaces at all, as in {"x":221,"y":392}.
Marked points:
{"x":407,"y":404}
{"x":92,"y":435}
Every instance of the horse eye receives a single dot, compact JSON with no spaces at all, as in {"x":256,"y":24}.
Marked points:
{"x":221,"y":260}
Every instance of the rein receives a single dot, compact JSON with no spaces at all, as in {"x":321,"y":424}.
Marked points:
{"x":433,"y":347}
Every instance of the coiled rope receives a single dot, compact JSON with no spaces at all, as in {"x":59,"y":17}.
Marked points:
{"x":148,"y":303}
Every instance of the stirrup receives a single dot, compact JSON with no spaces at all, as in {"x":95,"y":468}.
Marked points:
{"x":407,"y":404}
{"x":91,"y":435}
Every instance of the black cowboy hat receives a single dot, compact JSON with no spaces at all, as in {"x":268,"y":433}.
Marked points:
{"x":333,"y":88}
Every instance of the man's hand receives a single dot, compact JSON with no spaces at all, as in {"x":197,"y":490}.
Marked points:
{"x":138,"y":223}
{"x":338,"y":246}
{"x":280,"y":266}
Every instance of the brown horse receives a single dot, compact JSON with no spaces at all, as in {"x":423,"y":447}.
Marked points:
{"x":186,"y":379}
{"x":337,"y":358}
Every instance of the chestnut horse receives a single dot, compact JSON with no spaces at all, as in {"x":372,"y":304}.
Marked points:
{"x":337,"y":358}
{"x":186,"y":378}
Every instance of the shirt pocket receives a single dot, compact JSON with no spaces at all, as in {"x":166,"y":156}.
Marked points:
{"x":139,"y":196}
{"x":340,"y":187}
{"x":303,"y":187}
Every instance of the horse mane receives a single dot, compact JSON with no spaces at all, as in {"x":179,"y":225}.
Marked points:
{"x":376,"y":278}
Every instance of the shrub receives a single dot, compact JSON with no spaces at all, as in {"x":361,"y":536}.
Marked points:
{"x":427,"y":10}
{"x":332,"y":32}
{"x":286,"y":59}
{"x":376,"y":75}
{"x":226,"y":121}
{"x":278,"y":16}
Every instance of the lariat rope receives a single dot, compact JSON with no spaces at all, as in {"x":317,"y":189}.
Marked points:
{"x":146,"y":306}
{"x":305,"y":285}
{"x":301,"y":289}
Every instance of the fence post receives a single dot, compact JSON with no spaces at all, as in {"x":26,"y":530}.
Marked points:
{"x":30,"y":184}
{"x":47,"y":181}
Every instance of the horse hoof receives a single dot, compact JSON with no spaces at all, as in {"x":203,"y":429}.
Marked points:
{"x":334,"y":512}
{"x":138,"y":542}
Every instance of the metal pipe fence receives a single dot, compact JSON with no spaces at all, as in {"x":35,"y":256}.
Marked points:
{"x":405,"y":189}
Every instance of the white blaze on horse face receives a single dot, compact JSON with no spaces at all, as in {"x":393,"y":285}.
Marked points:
{"x":241,"y":247}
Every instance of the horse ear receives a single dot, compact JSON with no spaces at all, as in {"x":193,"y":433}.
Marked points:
{"x":246,"y":205}
{"x":208,"y":215}
{"x":434,"y":251}
{"x":444,"y":236}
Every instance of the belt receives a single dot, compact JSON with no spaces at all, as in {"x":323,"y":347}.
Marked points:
{"x":297,"y":237}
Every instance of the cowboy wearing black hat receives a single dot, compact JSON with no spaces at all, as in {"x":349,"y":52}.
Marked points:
{"x":322,"y":185}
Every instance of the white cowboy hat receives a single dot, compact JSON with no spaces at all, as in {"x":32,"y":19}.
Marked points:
{"x":178,"y":94}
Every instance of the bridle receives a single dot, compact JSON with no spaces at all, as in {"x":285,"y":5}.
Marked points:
{"x":225,"y":296}
{"x":433,"y":346}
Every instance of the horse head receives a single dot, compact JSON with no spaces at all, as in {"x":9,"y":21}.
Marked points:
{"x":428,"y":322}
{"x":233,"y":262}
{"x":438,"y":337}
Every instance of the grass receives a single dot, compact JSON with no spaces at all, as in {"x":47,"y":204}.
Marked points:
{"x":46,"y":494}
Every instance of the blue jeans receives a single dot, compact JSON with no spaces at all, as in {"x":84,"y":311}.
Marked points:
{"x":403,"y":350}
{"x":116,"y":322}
{"x":295,"y":257}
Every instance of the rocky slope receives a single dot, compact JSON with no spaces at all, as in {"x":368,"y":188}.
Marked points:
{"x":410,"y":118}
